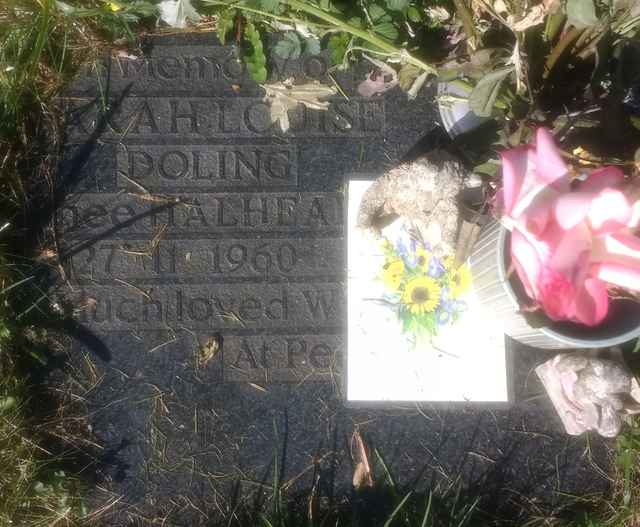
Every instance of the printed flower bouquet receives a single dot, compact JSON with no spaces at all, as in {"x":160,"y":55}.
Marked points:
{"x":574,"y":246}
{"x":426,"y":292}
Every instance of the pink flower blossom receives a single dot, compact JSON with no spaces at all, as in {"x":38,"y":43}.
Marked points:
{"x":568,"y":242}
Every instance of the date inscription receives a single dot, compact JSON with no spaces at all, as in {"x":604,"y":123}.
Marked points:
{"x":203,"y":260}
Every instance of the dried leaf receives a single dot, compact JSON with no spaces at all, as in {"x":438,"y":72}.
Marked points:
{"x":484,"y":94}
{"x":438,"y":14}
{"x":407,"y":76}
{"x":360,"y":478}
{"x":380,"y":81}
{"x":581,"y":13}
{"x":284,"y":96}
{"x":516,"y":60}
{"x":417,"y":85}
{"x":176,"y":12}
{"x":534,"y":17}
{"x":362,"y":475}
{"x":209,"y":349}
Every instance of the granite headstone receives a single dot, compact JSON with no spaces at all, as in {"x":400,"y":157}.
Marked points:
{"x":204,"y":249}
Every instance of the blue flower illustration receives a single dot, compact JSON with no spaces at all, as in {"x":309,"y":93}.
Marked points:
{"x":443,"y":317}
{"x":436,"y":269}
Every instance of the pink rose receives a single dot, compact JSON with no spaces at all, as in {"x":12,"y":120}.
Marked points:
{"x":568,"y":243}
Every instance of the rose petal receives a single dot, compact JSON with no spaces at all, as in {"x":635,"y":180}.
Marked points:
{"x":618,"y":274}
{"x":549,"y":163}
{"x":621,"y":247}
{"x":592,"y":302}
{"x":514,"y":170}
{"x":571,"y":209}
{"x":603,"y":178}
{"x":526,"y":262}
{"x":610,"y":211}
{"x":557,"y":294}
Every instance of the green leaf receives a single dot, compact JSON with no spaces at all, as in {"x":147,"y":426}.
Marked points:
{"x":288,"y":47}
{"x":224,"y":25}
{"x":312,"y":46}
{"x":337,"y":46}
{"x":414,"y":14}
{"x":397,"y":5}
{"x":378,"y":14}
{"x":387,"y":30}
{"x":581,"y":13}
{"x":635,"y":121}
{"x":270,"y":6}
{"x":484,"y":94}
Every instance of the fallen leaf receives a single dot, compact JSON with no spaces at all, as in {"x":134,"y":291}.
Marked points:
{"x":534,"y":17}
{"x":581,"y":13}
{"x":407,"y":76}
{"x":176,"y":12}
{"x":516,"y":60}
{"x":417,"y":85}
{"x":438,"y":14}
{"x":380,"y":81}
{"x":500,"y":7}
{"x":209,"y":349}
{"x":284,"y":96}
{"x":362,"y":474}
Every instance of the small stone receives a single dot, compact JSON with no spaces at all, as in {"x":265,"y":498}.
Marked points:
{"x":425,"y":192}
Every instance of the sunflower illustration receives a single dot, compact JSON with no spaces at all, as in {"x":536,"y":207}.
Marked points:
{"x":459,"y":281}
{"x":421,"y":295}
{"x":392,"y":274}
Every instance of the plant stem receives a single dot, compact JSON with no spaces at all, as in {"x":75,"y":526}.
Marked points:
{"x":366,"y":35}
{"x":565,"y":42}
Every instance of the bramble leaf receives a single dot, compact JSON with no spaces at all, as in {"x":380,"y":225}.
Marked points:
{"x":289,"y":47}
{"x":337,"y":46}
{"x":414,"y":14}
{"x":378,"y":14}
{"x":312,"y":46}
{"x":387,"y":30}
{"x":270,"y":6}
{"x":397,"y":5}
{"x":225,"y":24}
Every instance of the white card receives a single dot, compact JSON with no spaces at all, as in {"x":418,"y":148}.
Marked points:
{"x":465,"y":362}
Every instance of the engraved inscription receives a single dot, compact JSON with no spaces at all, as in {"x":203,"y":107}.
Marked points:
{"x":209,"y":166}
{"x":203,"y":260}
{"x":207,"y":117}
{"x":282,"y":357}
{"x":202,"y":213}
{"x":183,"y":65}
{"x":212,"y":306}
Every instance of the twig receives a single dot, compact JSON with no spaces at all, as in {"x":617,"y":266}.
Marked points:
{"x":564,"y":43}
